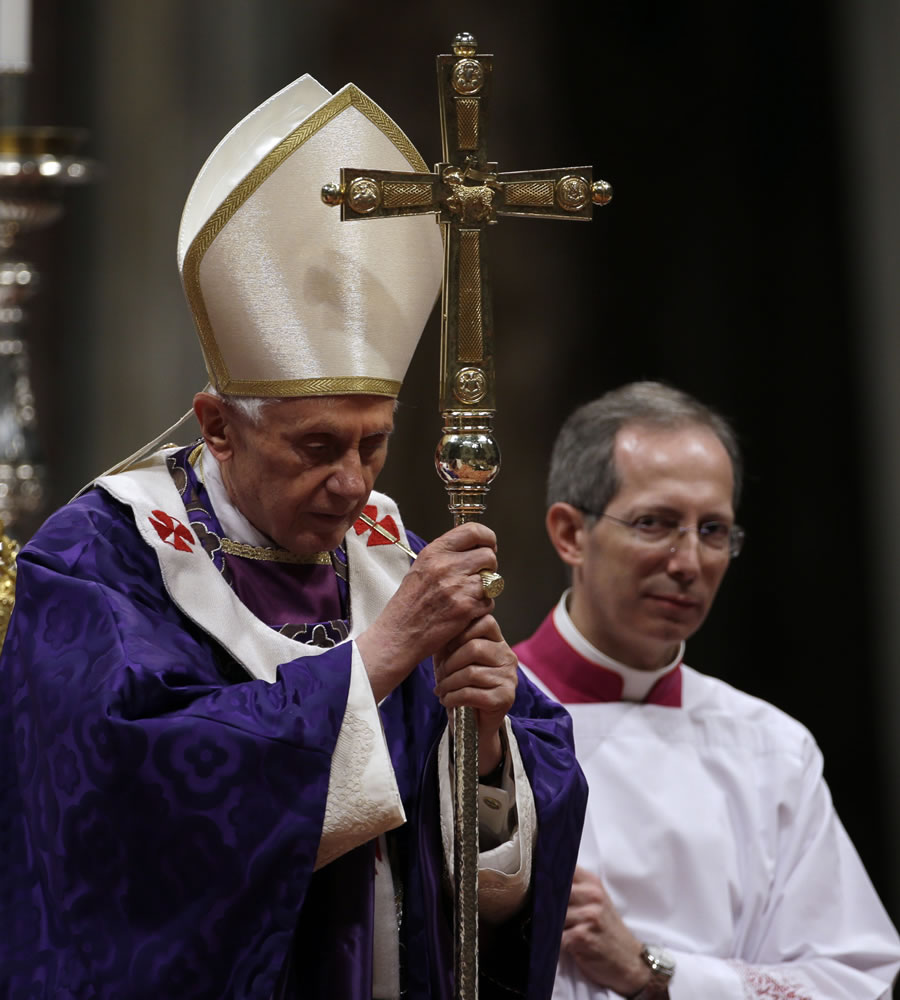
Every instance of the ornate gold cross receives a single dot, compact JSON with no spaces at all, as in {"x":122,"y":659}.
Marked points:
{"x":468,"y":194}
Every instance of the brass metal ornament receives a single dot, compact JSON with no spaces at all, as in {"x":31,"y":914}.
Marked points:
{"x":332,"y":194}
{"x":468,"y":193}
{"x":601,"y":192}
{"x":464,"y":44}
{"x":363,"y":195}
{"x":9,"y":549}
{"x":471,"y":385}
{"x":573,"y":193}
{"x":470,"y":204}
{"x":468,"y":76}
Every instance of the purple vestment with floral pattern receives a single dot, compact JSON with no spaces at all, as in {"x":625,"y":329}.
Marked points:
{"x":160,"y":812}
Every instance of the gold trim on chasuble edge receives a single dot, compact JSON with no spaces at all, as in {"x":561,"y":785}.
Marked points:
{"x":195,"y":463}
{"x":349,"y":96}
{"x":267,"y":554}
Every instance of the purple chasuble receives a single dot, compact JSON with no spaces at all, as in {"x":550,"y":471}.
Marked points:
{"x":161,"y":811}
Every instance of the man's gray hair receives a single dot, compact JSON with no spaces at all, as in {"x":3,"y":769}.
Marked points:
{"x":583,"y":468}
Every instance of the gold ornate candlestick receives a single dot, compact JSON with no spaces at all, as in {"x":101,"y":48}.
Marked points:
{"x":36,"y":166}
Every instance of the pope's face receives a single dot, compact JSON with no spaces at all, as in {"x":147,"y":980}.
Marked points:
{"x":303,"y":474}
{"x":634,"y":600}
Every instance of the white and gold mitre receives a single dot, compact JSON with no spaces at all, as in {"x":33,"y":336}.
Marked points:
{"x":287,"y":299}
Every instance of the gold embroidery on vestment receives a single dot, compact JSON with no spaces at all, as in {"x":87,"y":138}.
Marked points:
{"x":269,"y":554}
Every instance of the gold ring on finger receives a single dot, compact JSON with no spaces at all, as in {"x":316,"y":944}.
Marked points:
{"x":491,"y":583}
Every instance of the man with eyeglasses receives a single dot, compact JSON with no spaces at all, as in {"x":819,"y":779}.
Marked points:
{"x":712,"y":863}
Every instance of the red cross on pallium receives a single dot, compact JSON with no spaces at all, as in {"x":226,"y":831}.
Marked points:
{"x":387,"y":522}
{"x":166,"y":525}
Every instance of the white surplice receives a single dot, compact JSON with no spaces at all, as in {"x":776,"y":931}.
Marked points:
{"x":715,"y":835}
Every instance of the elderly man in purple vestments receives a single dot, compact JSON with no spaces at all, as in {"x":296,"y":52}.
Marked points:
{"x":225,"y":758}
{"x":712,"y":863}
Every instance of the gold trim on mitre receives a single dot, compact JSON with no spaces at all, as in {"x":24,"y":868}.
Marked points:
{"x":220,"y":376}
{"x":348,"y":385}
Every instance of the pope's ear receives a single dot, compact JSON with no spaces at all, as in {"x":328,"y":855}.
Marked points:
{"x":566,"y":528}
{"x":213,"y":415}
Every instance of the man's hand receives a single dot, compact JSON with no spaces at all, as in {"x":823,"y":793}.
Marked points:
{"x":602,"y":946}
{"x":478,"y":670}
{"x":438,"y":599}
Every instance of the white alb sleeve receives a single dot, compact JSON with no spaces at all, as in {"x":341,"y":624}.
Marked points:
{"x":504,"y":871}
{"x":363,"y":799}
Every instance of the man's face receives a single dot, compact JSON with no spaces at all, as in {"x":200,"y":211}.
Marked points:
{"x":303,"y":474}
{"x":635,"y":600}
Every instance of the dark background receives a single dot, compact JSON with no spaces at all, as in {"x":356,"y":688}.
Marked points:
{"x":739,"y":140}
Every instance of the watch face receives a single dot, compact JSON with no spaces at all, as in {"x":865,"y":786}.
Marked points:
{"x":661,"y":963}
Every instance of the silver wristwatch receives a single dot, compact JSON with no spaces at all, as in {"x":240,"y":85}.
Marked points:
{"x":662,"y":968}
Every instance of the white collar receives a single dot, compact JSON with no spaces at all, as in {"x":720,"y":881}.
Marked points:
{"x":636,"y":684}
{"x":234,"y":524}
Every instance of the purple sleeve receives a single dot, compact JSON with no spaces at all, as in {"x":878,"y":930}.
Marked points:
{"x":161,"y":823}
{"x":543,"y":731}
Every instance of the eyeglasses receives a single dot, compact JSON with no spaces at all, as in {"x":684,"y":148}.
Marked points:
{"x":656,"y":529}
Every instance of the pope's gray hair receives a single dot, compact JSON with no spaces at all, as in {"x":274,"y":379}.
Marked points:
{"x":252,"y":407}
{"x":582,"y":466}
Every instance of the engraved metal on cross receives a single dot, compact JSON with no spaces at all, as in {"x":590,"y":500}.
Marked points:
{"x":467,"y":193}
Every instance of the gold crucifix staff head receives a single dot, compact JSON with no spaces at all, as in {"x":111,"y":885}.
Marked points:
{"x":467,"y":193}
